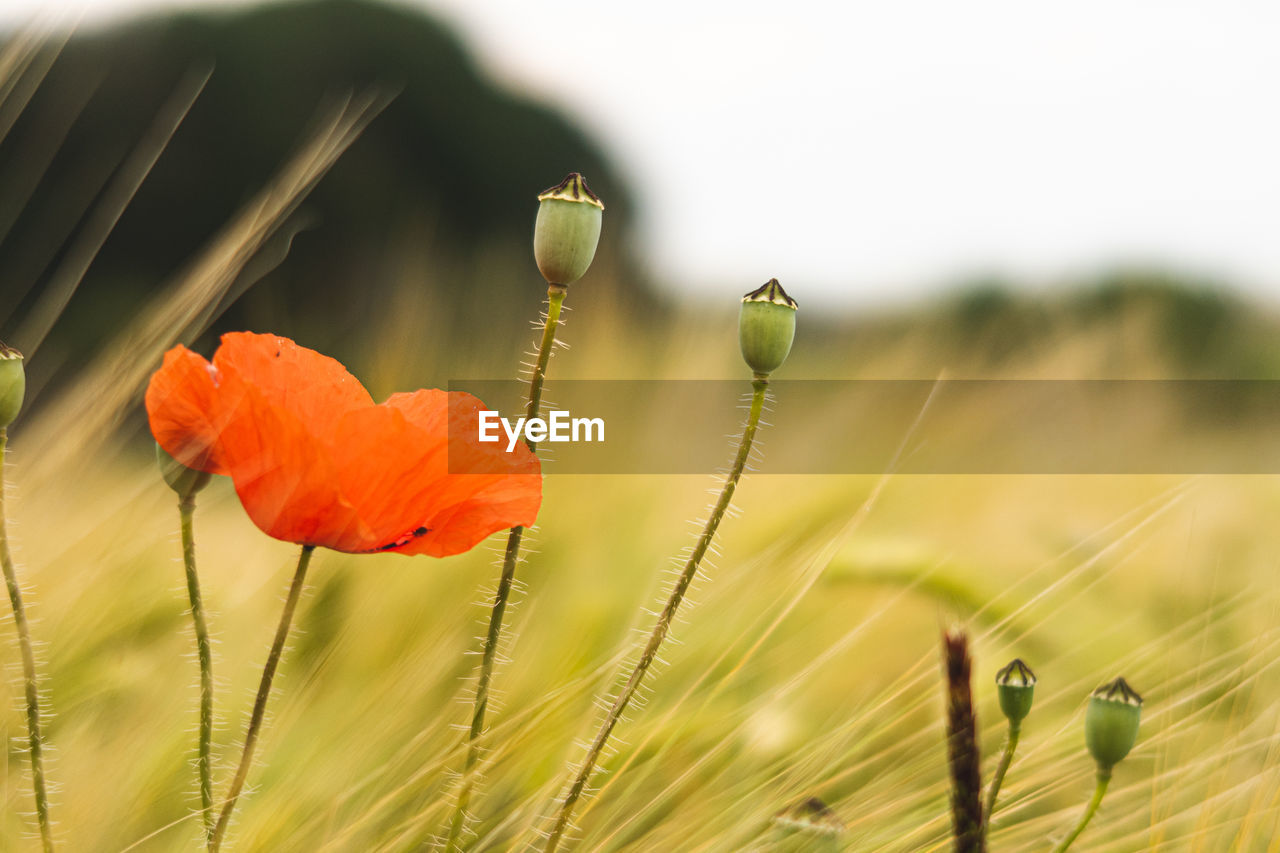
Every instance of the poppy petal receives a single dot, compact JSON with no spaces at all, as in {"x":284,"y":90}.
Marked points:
{"x":283,"y":473}
{"x":315,"y":389}
{"x":314,"y":461}
{"x":463,"y":525}
{"x":427,"y":509}
{"x":182,"y":409}
{"x":390,"y":471}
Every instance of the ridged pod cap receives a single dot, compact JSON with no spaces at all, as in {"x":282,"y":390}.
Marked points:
{"x":567,"y":230}
{"x":1016,"y":688}
{"x":13,"y":384}
{"x":766,"y":327}
{"x":1111,"y":723}
{"x":183,"y":480}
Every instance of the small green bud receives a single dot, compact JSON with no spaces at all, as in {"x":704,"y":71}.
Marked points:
{"x":13,"y":384}
{"x":766,"y":327}
{"x":183,"y":480}
{"x":1111,"y":723}
{"x":1016,"y":687}
{"x":567,"y":230}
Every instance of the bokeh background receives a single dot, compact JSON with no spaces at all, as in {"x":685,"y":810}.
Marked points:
{"x":986,"y":191}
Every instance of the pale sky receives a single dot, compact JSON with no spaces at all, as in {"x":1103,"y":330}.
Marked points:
{"x":883,"y":150}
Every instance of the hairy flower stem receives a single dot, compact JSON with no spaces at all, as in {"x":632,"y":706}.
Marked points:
{"x":663,"y":625}
{"x":1099,"y":791}
{"x":962,"y":747}
{"x":555,"y":300}
{"x":1006,"y":758}
{"x":34,"y":742}
{"x":260,"y":701}
{"x":186,"y":509}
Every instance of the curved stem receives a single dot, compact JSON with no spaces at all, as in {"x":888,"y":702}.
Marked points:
{"x":186,"y":510}
{"x":1099,"y":791}
{"x":1006,"y":758}
{"x":555,"y":300}
{"x":35,"y":744}
{"x":260,"y":701}
{"x":663,"y":624}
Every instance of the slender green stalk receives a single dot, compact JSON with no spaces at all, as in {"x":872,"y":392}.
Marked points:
{"x":35,"y":744}
{"x":1006,"y":758}
{"x":663,"y":625}
{"x":186,"y":509}
{"x":555,"y":300}
{"x":1099,"y":791}
{"x":260,"y":701}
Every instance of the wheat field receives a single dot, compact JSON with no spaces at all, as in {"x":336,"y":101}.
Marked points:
{"x":807,"y":662}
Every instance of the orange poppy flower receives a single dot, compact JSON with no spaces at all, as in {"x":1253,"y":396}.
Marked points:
{"x":316,"y":462}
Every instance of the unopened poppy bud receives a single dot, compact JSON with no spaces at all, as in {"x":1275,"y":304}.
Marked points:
{"x":1111,"y":723}
{"x":183,"y":480}
{"x":567,"y":230}
{"x":766,"y":327}
{"x":1016,"y":687}
{"x":13,"y":384}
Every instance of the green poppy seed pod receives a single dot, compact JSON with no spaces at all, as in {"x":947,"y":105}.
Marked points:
{"x":13,"y":384}
{"x":766,"y":327}
{"x":1111,"y":723}
{"x":1016,"y":687}
{"x":183,"y":480}
{"x":567,"y":230}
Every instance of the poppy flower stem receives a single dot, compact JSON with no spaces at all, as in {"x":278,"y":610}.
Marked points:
{"x":1006,"y":759}
{"x":260,"y":701}
{"x":186,"y":511}
{"x":1099,"y":791}
{"x":35,"y":744}
{"x":555,"y":301}
{"x":663,"y":625}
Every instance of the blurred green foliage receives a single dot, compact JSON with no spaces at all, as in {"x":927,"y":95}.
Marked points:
{"x":1193,"y":327}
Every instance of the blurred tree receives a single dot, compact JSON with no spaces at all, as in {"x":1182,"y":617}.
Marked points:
{"x":440,"y":189}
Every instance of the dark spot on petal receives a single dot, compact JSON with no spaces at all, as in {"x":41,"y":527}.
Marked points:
{"x":403,"y":540}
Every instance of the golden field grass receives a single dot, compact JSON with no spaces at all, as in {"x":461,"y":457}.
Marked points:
{"x":807,"y":661}
{"x":806,"y":665}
